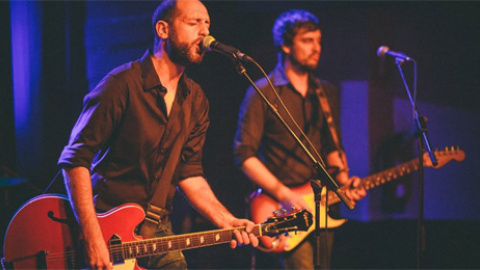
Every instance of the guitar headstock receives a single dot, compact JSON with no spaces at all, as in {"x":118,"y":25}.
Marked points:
{"x":297,"y":221}
{"x":444,"y":156}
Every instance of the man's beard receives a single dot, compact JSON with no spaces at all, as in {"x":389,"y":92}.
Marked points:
{"x":182,"y":54}
{"x":304,"y":67}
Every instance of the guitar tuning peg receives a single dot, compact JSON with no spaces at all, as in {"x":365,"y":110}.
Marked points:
{"x":276,"y":213}
{"x":285,"y":233}
{"x":293,"y":208}
{"x":284,"y":210}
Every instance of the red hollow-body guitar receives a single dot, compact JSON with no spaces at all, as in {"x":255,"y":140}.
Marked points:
{"x":43,"y":234}
{"x":262,"y":205}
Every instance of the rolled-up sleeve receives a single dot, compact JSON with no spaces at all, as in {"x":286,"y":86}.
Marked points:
{"x":250,"y":127}
{"x":191,"y":157}
{"x":102,"y":111}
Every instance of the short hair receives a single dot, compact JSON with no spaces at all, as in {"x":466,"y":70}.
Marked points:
{"x":288,"y":25}
{"x":164,"y":11}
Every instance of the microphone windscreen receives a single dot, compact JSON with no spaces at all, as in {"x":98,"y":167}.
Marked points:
{"x":382,"y":50}
{"x":206,"y":43}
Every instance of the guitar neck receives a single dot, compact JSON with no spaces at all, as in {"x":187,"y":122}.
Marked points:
{"x":154,"y":246}
{"x":381,"y":178}
{"x":386,"y":176}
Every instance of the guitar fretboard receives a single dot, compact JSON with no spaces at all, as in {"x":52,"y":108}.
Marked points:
{"x":375,"y":180}
{"x":143,"y":248}
{"x":381,"y":178}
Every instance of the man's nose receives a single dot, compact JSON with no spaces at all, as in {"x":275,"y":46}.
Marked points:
{"x":204,"y":31}
{"x":317,"y":47}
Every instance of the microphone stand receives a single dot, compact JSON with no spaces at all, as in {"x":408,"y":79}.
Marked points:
{"x":326,"y":179}
{"x":317,"y":187}
{"x":420,"y":132}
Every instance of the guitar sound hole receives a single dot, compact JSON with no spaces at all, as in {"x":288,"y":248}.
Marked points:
{"x":60,"y":220}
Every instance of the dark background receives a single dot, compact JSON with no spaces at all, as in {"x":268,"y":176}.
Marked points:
{"x":53,"y":53}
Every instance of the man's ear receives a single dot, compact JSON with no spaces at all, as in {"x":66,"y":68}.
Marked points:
{"x":286,"y":49}
{"x":162,"y":29}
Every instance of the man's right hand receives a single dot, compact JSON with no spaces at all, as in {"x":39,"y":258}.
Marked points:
{"x":292,"y":200}
{"x":256,"y":170}
{"x":79,"y":188}
{"x":97,"y":255}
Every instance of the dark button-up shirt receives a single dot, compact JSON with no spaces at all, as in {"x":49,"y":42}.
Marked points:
{"x":261,"y":134}
{"x":125,"y":137}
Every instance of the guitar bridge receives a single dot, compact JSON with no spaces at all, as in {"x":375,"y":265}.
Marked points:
{"x":40,"y":261}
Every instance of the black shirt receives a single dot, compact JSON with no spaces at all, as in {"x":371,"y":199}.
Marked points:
{"x":261,"y":134}
{"x":126,"y":139}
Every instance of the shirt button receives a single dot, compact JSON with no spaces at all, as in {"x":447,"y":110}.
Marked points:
{"x":162,"y":151}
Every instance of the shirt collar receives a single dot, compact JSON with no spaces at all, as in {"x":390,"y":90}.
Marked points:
{"x":280,"y":78}
{"x":150,"y":77}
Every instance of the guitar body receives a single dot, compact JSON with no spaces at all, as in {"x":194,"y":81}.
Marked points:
{"x":44,"y":234}
{"x":262,"y":206}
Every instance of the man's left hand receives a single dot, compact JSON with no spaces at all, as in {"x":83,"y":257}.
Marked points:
{"x":243,"y":237}
{"x":355,"y":191}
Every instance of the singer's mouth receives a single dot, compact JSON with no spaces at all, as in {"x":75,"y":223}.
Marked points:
{"x":198,"y":46}
{"x":199,"y":50}
{"x":315,"y":57}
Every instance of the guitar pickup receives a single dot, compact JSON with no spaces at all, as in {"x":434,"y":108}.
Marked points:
{"x":116,"y":255}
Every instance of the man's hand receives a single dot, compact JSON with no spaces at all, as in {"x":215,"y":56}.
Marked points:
{"x":244,"y":237}
{"x":97,"y":255}
{"x":354,"y":190}
{"x":79,"y":188}
{"x":292,"y":200}
{"x":208,"y":204}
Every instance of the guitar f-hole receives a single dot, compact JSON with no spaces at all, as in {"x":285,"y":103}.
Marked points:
{"x":60,"y":220}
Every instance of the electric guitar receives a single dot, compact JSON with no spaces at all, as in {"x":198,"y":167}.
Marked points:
{"x":262,"y":205}
{"x":44,"y":234}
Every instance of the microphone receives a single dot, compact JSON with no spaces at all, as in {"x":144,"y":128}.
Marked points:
{"x":384,"y":50}
{"x":209,"y":43}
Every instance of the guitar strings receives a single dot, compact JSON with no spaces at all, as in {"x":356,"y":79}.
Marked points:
{"x":149,"y":243}
{"x":174,"y":242}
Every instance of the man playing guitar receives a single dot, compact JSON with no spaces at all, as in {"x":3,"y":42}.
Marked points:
{"x":264,"y":149}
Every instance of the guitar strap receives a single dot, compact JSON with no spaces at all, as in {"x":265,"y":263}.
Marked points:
{"x":325,"y":106}
{"x":156,"y":207}
{"x":322,"y":98}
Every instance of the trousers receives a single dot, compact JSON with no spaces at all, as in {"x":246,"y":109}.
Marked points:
{"x":302,"y":257}
{"x":169,"y":260}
